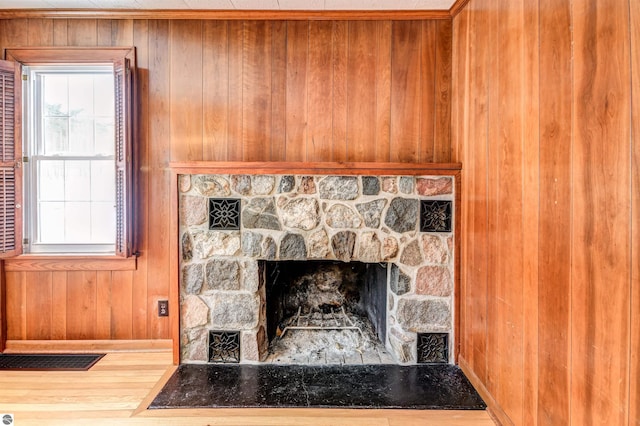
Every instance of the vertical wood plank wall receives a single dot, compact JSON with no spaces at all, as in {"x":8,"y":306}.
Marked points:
{"x":243,"y":91}
{"x":546,"y":122}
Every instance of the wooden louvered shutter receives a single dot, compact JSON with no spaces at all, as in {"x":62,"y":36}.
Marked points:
{"x":123,"y":131}
{"x":10,"y":159}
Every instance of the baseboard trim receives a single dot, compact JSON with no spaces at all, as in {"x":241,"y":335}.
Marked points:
{"x":493,"y":408}
{"x":87,"y":346}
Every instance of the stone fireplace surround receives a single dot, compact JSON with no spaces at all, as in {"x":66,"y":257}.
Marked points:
{"x":367,"y":212}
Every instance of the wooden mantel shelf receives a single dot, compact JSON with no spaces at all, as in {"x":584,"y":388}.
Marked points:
{"x":313,"y":168}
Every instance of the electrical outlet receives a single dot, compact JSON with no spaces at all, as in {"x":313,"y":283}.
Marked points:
{"x":163,"y":308}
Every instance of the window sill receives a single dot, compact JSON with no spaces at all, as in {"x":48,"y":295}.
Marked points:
{"x":30,"y":262}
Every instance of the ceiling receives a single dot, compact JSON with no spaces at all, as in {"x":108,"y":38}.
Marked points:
{"x":231,"y":4}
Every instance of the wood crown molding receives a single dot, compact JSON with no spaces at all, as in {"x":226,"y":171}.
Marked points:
{"x":261,"y":15}
{"x":457,"y":7}
{"x":48,"y":54}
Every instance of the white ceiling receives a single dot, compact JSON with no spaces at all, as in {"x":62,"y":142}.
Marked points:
{"x":232,"y":4}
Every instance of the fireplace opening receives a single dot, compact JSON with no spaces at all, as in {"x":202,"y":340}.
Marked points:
{"x":326,"y":312}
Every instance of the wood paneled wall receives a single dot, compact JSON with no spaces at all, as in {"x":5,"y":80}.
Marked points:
{"x":547,"y":127}
{"x":237,"y":91}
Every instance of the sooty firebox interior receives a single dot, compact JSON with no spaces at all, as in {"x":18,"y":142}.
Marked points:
{"x":326,"y":312}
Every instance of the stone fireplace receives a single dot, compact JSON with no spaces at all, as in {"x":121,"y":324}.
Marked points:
{"x":316,"y":268}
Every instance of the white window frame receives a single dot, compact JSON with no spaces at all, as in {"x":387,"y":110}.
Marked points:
{"x":33,"y":150}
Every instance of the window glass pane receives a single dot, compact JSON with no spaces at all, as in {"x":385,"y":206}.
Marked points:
{"x":103,"y":181}
{"x":51,"y":222}
{"x":51,"y":180}
{"x":81,"y":136}
{"x":105,"y":136}
{"x":80,"y":95}
{"x":77,"y":225}
{"x":56,"y":135}
{"x":55,"y":95}
{"x":104,"y":99}
{"x":77,"y":182}
{"x":103,"y":222}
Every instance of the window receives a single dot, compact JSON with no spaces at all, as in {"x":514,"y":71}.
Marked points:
{"x":77,"y":162}
{"x":69,"y":172}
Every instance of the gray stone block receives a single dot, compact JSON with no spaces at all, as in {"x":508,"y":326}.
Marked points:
{"x":292,"y":247}
{"x":421,"y":315}
{"x":339,"y":188}
{"x":192,"y":278}
{"x":223,"y":275}
{"x":402,"y":215}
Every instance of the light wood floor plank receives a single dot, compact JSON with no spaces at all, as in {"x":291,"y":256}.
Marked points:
{"x":121,"y":385}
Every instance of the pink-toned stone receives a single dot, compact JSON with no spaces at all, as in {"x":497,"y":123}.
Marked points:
{"x":253,"y":345}
{"x":307,"y":185}
{"x":435,"y":186}
{"x":184,"y":182}
{"x":194,"y":312}
{"x":249,"y":347}
{"x":390,"y":185}
{"x":193,"y":210}
{"x":435,"y":250}
{"x":389,"y":248}
{"x":196,"y":347}
{"x":434,"y":281}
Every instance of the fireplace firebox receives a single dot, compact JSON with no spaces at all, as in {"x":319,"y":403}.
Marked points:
{"x":326,"y":311}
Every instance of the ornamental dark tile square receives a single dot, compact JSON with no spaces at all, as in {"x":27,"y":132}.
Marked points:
{"x":435,"y":216}
{"x":224,"y":346}
{"x":224,"y":213}
{"x":433,"y":348}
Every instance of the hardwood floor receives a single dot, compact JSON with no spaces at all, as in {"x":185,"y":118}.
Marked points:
{"x":119,"y":387}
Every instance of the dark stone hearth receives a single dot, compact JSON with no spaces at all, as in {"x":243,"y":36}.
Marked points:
{"x":362,"y":386}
